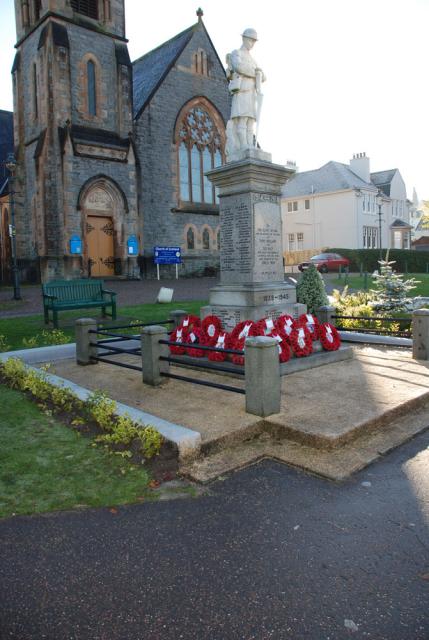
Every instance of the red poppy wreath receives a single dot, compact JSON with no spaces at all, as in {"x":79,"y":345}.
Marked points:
{"x":311,"y":322}
{"x":329,"y":337}
{"x":265,"y":326}
{"x":238,"y":345}
{"x":212,"y":326}
{"x":195,"y":336}
{"x":244,"y":329}
{"x":221,"y":343}
{"x":301,"y":341}
{"x":285,"y":324}
{"x":178,"y":335}
{"x":284,"y":349}
{"x":190,"y":322}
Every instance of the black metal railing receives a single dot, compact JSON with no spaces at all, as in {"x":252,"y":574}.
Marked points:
{"x":205,"y":365}
{"x":405,"y":332}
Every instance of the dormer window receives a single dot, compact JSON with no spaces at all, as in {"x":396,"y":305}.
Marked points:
{"x":86,"y":7}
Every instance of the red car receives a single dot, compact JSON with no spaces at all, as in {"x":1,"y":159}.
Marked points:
{"x":326,"y":262}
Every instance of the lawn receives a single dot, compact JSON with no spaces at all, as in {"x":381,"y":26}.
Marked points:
{"x":46,"y":466}
{"x":15,"y":330}
{"x":357,"y":282}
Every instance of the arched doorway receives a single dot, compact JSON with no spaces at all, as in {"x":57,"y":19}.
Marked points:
{"x":103,"y":208}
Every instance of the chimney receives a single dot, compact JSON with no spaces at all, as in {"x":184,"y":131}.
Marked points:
{"x":359,"y":164}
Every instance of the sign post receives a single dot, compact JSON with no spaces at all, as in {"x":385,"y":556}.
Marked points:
{"x":167,"y":255}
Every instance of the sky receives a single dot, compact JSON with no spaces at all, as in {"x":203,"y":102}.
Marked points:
{"x":343,"y":76}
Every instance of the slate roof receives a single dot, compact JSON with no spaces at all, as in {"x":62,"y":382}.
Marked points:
{"x":6,"y":140}
{"x":382,"y":179}
{"x":333,"y":176}
{"x":150,"y":70}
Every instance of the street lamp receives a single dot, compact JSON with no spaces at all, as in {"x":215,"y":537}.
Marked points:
{"x":380,"y":200}
{"x":11,"y":166}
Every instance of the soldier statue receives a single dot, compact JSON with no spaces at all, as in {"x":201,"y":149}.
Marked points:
{"x":245,"y":79}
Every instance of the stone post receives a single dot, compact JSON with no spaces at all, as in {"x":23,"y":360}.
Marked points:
{"x":325,"y":313}
{"x":177,"y":316}
{"x":262,"y":376}
{"x":84,"y":351}
{"x":152,"y":366}
{"x":420,"y":325}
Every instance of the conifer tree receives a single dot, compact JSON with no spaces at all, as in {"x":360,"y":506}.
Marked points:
{"x":391,"y":290}
{"x":311,"y":289}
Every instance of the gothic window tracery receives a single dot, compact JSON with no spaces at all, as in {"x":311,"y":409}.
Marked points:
{"x":200,"y":150}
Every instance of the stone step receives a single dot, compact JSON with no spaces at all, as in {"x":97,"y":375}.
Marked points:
{"x":336,"y":464}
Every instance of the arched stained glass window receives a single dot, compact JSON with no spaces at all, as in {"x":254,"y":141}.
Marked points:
{"x":92,"y":93}
{"x":206,"y":239}
{"x":190,"y":239}
{"x":200,"y":150}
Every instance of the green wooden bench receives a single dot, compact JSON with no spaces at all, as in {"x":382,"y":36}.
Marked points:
{"x":62,"y":295}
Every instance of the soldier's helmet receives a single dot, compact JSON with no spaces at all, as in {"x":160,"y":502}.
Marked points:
{"x":250,"y":33}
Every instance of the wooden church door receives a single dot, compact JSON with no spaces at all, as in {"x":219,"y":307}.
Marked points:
{"x":99,"y":241}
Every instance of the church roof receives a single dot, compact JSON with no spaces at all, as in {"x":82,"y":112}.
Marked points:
{"x":150,"y":70}
{"x":6,"y":140}
{"x":333,"y":176}
{"x":382,"y":179}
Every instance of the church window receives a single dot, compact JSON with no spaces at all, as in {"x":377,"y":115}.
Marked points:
{"x":199,"y":63}
{"x":206,"y":239}
{"x":86,"y":7}
{"x":200,"y":150}
{"x":92,"y":94}
{"x":190,"y":239}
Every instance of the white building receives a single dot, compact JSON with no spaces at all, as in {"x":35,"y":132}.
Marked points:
{"x":336,"y":206}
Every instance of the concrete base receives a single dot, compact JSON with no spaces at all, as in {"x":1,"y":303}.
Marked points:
{"x":233,"y":303}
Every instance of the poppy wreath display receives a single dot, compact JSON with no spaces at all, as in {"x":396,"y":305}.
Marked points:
{"x":195,"y":336}
{"x":212,"y":327}
{"x":285,"y":324}
{"x":190,"y":322}
{"x":221,"y":343}
{"x":301,"y":341}
{"x":284,"y":349}
{"x":329,"y":337}
{"x":266,"y":326}
{"x":178,"y":335}
{"x":311,"y":322}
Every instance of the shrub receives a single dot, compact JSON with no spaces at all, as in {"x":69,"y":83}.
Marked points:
{"x":101,"y":409}
{"x":311,"y":289}
{"x":391,"y":290}
{"x":4,"y":346}
{"x":13,"y":369}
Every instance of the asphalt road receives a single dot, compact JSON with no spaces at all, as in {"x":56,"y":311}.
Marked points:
{"x":269,"y":552}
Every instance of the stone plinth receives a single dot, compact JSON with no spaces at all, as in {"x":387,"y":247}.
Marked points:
{"x":252,"y":282}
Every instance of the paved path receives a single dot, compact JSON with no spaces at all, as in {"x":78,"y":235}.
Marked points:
{"x":270,"y":553}
{"x":129,"y":292}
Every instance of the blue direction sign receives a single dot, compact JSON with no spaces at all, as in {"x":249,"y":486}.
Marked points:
{"x":167,"y":255}
{"x":75,"y":245}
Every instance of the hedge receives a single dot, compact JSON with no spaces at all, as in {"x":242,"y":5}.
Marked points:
{"x":407,"y":261}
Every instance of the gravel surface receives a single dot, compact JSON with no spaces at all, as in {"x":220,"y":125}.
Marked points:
{"x":268,"y":553}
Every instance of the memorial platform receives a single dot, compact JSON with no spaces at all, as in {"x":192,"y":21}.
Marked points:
{"x":333,"y":421}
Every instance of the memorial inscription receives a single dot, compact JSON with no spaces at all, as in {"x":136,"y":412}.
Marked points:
{"x":268,"y":242}
{"x":236,"y":238}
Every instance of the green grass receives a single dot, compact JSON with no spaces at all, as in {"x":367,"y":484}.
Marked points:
{"x":16,"y":329}
{"x":356,"y":282}
{"x":46,"y":466}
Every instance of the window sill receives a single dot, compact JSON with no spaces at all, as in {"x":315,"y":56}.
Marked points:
{"x":203,"y":207}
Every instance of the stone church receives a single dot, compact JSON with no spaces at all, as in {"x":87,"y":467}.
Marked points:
{"x":111,"y":154}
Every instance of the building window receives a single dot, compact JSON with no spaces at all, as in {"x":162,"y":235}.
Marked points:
{"x":200,"y":150}
{"x":300,"y":241}
{"x":295,"y":206}
{"x":200,"y":62}
{"x":190,"y":239}
{"x":291,"y":243}
{"x":86,"y":7}
{"x":370,"y":237}
{"x":289,"y":207}
{"x":306,"y":204}
{"x":35,"y":96}
{"x":218,"y":240}
{"x":91,"y":87}
{"x":206,"y":239}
